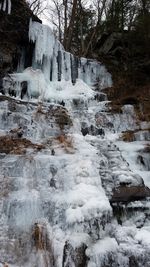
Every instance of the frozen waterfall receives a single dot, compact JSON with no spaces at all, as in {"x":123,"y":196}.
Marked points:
{"x":69,"y":197}
{"x":57,"y":64}
{"x":52,"y":67}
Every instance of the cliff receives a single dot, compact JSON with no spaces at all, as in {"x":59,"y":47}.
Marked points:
{"x":14,"y":36}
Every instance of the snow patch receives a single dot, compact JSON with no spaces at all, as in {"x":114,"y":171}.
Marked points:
{"x":99,"y":251}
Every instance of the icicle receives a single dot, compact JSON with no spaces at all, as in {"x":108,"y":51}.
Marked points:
{"x":4,"y":5}
{"x":43,"y":38}
{"x":58,"y":64}
{"x":59,"y":60}
{"x":67,"y":67}
{"x":9,"y":7}
{"x":74,"y":69}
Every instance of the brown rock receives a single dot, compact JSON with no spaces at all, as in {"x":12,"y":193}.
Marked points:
{"x":13,"y":145}
{"x":126,"y":194}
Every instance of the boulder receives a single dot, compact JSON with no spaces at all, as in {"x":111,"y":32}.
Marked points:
{"x":127,"y":194}
{"x":100,"y":97}
{"x":92,"y":130}
{"x":109,"y":43}
{"x":77,"y":255}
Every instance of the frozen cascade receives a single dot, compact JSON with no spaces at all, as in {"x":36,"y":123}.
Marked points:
{"x":57,"y":64}
{"x":63,"y":178}
{"x":51,"y":64}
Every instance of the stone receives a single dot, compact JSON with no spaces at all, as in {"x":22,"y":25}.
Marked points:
{"x":100,"y":97}
{"x":17,"y":146}
{"x":127,"y":194}
{"x":76,"y":255}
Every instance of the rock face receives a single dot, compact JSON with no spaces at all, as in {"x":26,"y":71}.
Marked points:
{"x":14,"y":36}
{"x":67,"y":199}
{"x":110,"y":43}
{"x":76,"y":256}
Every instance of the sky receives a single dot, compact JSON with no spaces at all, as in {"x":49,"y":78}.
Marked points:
{"x":45,"y":17}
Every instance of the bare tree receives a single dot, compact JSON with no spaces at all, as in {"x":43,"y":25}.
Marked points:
{"x":62,"y":15}
{"x":37,"y":6}
{"x":100,"y":6}
{"x":65,"y":3}
{"x":71,"y":24}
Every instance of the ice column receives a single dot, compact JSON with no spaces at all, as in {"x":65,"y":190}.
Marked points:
{"x":57,"y":64}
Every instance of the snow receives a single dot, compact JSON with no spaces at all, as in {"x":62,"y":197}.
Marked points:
{"x":39,"y":87}
{"x":99,"y":251}
{"x":83,"y":194}
{"x":90,"y":201}
{"x":130,"y":151}
{"x":77,"y":239}
{"x":143,"y":236}
{"x":103,"y":246}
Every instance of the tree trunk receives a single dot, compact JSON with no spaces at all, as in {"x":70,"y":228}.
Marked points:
{"x":65,"y":3}
{"x":100,"y":14}
{"x":71,"y":24}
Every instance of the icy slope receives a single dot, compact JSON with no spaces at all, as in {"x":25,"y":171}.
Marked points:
{"x":57,"y":186}
{"x":68,"y":197}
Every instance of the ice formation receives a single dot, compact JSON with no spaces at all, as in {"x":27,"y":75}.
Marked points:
{"x":5,"y":6}
{"x":61,"y":164}
{"x":57,"y":64}
{"x":56,"y":74}
{"x":42,"y":88}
